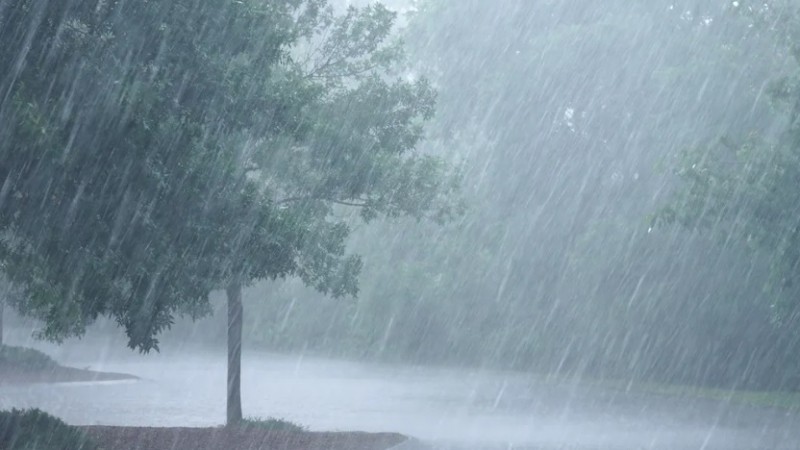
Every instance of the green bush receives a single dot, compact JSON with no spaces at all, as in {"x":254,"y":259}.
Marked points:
{"x":33,"y":429}
{"x":24,"y":358}
{"x":272,"y":424}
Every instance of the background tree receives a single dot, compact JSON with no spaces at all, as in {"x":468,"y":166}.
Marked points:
{"x":745,"y":189}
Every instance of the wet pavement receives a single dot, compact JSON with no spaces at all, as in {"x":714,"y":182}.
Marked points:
{"x":443,"y":409}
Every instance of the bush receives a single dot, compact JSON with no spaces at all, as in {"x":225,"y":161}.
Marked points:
{"x":272,"y":424}
{"x":33,"y":429}
{"x":24,"y":358}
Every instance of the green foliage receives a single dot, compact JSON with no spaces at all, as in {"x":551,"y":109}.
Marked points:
{"x":746,"y":194}
{"x":21,"y":358}
{"x":745,"y":189}
{"x":114,"y":182}
{"x":33,"y":429}
{"x":271,"y":424}
{"x":155,"y":151}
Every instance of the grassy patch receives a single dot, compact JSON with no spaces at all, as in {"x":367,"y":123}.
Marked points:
{"x":774,"y":399}
{"x":33,"y":429}
{"x":22,"y":358}
{"x":272,"y":424}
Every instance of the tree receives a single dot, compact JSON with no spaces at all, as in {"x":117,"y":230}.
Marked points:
{"x":155,"y":151}
{"x":745,"y":189}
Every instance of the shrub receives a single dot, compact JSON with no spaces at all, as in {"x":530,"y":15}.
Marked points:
{"x":24,"y":358}
{"x":33,"y":429}
{"x":272,"y":424}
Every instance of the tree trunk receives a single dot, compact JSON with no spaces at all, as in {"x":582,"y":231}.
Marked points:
{"x":235,"y":311}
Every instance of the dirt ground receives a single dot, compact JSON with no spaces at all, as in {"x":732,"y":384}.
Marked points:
{"x":221,"y":438}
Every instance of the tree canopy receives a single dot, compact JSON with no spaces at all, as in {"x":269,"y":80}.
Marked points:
{"x":745,"y":189}
{"x":154,"y":151}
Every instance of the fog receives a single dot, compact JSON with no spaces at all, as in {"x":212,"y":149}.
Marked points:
{"x":442,"y":408}
{"x":590,"y":241}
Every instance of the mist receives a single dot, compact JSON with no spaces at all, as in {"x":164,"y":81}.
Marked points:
{"x":576,"y":227}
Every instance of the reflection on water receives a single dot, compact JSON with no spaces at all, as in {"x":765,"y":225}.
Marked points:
{"x":453,"y":409}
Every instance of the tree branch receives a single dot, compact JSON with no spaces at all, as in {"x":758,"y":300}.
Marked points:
{"x":324,"y":199}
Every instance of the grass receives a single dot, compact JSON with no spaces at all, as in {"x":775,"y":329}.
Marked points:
{"x":272,"y":424}
{"x":772,"y":399}
{"x":22,"y":358}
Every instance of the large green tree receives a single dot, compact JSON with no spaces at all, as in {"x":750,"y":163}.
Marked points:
{"x":155,"y":151}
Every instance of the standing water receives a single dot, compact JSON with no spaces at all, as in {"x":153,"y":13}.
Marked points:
{"x":439,"y":408}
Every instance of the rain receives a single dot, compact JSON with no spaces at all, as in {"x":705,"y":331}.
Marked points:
{"x":409,"y":225}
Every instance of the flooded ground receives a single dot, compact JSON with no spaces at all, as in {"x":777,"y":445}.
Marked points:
{"x":440,"y":408}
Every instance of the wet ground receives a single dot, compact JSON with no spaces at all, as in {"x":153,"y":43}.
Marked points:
{"x":441,"y":408}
